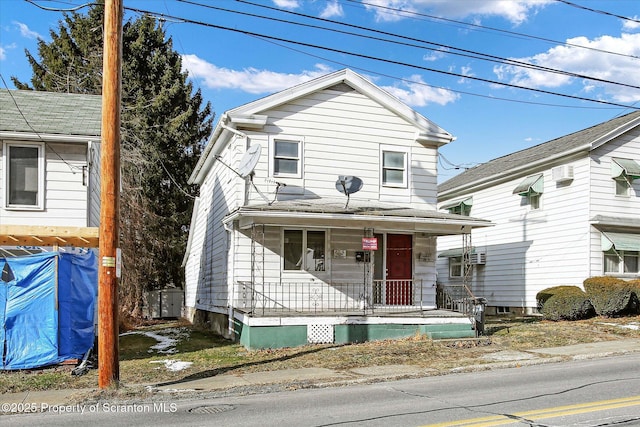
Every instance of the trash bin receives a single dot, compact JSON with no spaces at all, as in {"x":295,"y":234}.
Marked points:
{"x":479,"y":305}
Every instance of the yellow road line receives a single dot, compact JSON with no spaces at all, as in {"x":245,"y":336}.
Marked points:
{"x":558,"y":411}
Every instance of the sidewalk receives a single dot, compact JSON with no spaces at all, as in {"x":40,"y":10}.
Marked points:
{"x":323,"y":377}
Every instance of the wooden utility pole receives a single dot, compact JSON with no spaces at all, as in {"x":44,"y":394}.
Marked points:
{"x":109,"y":266}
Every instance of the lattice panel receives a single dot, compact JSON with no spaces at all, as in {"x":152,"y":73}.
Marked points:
{"x":320,"y":334}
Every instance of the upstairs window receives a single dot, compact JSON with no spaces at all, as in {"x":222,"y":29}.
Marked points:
{"x":24,"y":175}
{"x":394,"y":168}
{"x":531,"y":191}
{"x":286,"y":157}
{"x":460,"y":207}
{"x":624,"y":172}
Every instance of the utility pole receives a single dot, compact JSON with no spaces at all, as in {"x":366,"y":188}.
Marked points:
{"x":109,"y":266}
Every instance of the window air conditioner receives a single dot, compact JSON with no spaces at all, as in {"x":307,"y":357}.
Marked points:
{"x":479,"y":258}
{"x":562,"y":173}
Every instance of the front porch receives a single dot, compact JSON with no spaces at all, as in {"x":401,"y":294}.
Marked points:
{"x":273,"y":315}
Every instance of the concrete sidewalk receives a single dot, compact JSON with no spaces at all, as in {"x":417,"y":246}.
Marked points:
{"x":323,"y":377}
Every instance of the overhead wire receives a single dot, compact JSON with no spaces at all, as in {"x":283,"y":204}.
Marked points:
{"x":374,"y":58}
{"x":452,"y":50}
{"x":415,"y":14}
{"x":601,"y":12}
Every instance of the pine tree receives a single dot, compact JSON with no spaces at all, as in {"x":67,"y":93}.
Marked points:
{"x":164,"y":125}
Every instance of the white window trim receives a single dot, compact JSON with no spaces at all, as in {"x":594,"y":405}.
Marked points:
{"x":456,"y":263}
{"x":407,"y":154}
{"x":620,"y":254}
{"x":625,"y":179}
{"x":272,"y":152}
{"x":304,"y":269}
{"x":41,"y":175}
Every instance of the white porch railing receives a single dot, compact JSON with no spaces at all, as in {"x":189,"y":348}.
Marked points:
{"x":344,"y":297}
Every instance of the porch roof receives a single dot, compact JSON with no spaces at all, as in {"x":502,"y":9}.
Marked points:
{"x":332,"y":213}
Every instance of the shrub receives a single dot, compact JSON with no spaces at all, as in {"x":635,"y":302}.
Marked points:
{"x":611,"y":296}
{"x":564,"y":303}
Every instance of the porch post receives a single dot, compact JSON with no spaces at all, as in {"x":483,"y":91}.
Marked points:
{"x":368,"y":274}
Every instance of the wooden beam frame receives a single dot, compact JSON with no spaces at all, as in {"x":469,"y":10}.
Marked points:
{"x":36,"y":235}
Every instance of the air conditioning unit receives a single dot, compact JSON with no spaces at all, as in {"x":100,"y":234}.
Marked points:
{"x":562,"y":173}
{"x":479,"y":258}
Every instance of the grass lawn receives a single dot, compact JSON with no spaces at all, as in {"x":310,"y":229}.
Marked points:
{"x":148,"y":354}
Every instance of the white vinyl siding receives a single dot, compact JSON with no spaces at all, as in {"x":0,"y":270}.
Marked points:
{"x":526,"y":250}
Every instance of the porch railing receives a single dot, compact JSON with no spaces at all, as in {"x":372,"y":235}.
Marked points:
{"x":347,"y":297}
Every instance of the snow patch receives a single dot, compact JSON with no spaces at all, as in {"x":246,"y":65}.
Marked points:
{"x":173,"y":365}
{"x":167,"y":339}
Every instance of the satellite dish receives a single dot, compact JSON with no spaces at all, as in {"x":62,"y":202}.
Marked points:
{"x":348,"y":185}
{"x":249,"y":160}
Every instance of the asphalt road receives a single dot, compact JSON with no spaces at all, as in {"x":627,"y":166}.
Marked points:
{"x":594,"y":392}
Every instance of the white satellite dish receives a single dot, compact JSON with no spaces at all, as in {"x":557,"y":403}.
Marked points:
{"x":249,"y":160}
{"x":348,"y":185}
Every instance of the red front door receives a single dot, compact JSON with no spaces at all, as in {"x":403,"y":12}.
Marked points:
{"x":399,"y":288}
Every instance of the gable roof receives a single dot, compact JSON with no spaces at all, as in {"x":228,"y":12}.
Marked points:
{"x":523,"y":161}
{"x":249,"y":115}
{"x":49,"y":113}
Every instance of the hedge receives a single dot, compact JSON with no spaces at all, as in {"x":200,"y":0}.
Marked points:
{"x":611,"y":296}
{"x":564,"y":303}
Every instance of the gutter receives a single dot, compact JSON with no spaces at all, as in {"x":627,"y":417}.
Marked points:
{"x":47,"y":137}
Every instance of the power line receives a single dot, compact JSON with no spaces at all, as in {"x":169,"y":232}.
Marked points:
{"x":457,"y":51}
{"x":371,"y":57}
{"x":601,"y":12}
{"x":484,"y":27}
{"x":409,"y":81}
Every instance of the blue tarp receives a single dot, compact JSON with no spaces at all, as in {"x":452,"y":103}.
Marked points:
{"x":47,"y":308}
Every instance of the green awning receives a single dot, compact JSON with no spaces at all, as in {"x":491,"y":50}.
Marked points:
{"x":533,"y":183}
{"x":454,"y":252}
{"x":620,"y":241}
{"x":466,"y":202}
{"x":629,"y":167}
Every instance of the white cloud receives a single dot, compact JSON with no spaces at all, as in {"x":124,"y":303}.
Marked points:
{"x":333,"y":9}
{"x":436,"y":54}
{"x":631,"y":25}
{"x":26,"y":32}
{"x":417,"y":94}
{"x":287,"y":4}
{"x":617,"y":68}
{"x":515,"y":11}
{"x":250,"y":80}
{"x":3,"y":54}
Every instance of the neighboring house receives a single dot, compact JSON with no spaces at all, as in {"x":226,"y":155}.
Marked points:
{"x":49,"y":170}
{"x":277,"y":256}
{"x":563,"y":211}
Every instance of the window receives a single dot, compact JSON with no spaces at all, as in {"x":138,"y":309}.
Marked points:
{"x":394,"y":168}
{"x":623,"y":172}
{"x":24,"y":175}
{"x":622,"y":262}
{"x":455,"y":266}
{"x":461,"y":207}
{"x":286,"y":157}
{"x":312,"y":258}
{"x":531,"y":191}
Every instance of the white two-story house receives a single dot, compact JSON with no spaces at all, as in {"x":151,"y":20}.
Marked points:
{"x":564,"y":210}
{"x":49,"y":171}
{"x":317,"y":219}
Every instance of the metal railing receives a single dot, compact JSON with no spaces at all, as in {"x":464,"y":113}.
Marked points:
{"x":382,"y":296}
{"x":455,"y":298}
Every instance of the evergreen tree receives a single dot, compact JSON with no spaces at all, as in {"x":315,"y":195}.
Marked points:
{"x":164,"y":125}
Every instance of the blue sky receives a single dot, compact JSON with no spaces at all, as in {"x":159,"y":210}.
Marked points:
{"x":447,"y":59}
